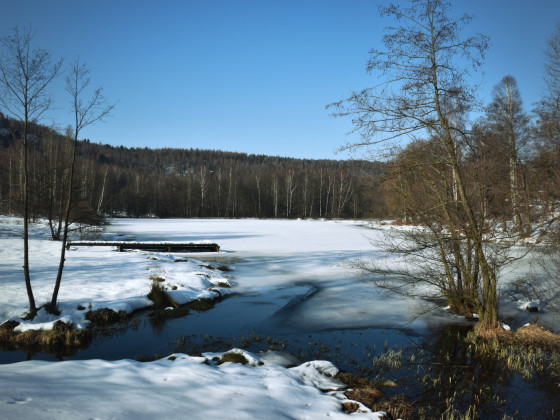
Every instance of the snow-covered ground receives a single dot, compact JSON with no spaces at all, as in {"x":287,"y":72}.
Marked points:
{"x":100,"y":277}
{"x":94,"y":277}
{"x":176,"y":387}
{"x":305,"y":255}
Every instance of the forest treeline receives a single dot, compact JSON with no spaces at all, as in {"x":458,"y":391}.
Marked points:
{"x":143,"y":182}
{"x":166,"y":182}
{"x":513,"y":157}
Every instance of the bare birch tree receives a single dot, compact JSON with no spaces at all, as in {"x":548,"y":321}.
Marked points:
{"x":25,"y":74}
{"x":290,"y":189}
{"x":275,"y":194}
{"x":423,"y":67}
{"x":510,"y":122}
{"x":85,"y":112}
{"x":203,"y":180}
{"x":344,"y":191}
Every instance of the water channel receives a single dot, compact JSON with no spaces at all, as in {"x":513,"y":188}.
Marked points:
{"x":273,"y":314}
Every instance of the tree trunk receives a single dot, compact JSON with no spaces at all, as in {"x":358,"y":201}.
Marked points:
{"x":52,"y":305}
{"x":31,"y":298}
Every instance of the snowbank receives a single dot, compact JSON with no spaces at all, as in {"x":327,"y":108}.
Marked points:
{"x":178,"y":386}
{"x":94,"y":278}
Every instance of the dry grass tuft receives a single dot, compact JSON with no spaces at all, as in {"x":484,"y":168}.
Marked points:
{"x":493,"y":333}
{"x":160,"y":298}
{"x":354,"y":381}
{"x":530,"y":335}
{"x":529,"y":351}
{"x":350,"y":407}
{"x":397,"y":407}
{"x":367,"y":396}
{"x":234,"y":358}
{"x":162,"y":314}
{"x":216,"y":267}
{"x":533,"y":335}
{"x":62,"y":336}
{"x":153,"y":358}
{"x":104,"y":316}
{"x":368,"y":393}
{"x":7,"y":332}
{"x":201,"y":304}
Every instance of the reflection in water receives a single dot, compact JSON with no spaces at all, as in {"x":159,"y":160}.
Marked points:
{"x":458,"y":374}
{"x":440,"y":370}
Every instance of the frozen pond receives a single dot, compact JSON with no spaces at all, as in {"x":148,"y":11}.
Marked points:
{"x":292,"y":283}
{"x":306,"y":259}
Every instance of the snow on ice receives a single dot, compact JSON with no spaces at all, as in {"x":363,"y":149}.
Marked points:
{"x":102,"y":278}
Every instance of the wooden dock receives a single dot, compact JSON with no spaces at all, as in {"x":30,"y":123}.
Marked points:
{"x":152,"y":246}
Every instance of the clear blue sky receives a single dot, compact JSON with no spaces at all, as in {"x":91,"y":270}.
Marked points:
{"x":249,"y":76}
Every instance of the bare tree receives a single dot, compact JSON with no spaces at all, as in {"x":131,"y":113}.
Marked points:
{"x":85,"y":112}
{"x":547,"y":286}
{"x":551,"y":100}
{"x":258,"y":182}
{"x":275,"y":194}
{"x":330,"y":178}
{"x":189,"y":188}
{"x":203,"y":180}
{"x":102,"y":194}
{"x":290,"y":188}
{"x":55,"y":159}
{"x":25,"y":74}
{"x":548,"y":124}
{"x":304,"y":194}
{"x":420,"y":72}
{"x":232,"y":191}
{"x":344,"y":191}
{"x":510,"y":122}
{"x":320,"y":193}
{"x":219,"y":177}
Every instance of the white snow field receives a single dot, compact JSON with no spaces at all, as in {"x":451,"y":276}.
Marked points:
{"x":184,"y":388}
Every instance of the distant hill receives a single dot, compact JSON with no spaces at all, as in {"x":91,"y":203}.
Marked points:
{"x":166,"y":182}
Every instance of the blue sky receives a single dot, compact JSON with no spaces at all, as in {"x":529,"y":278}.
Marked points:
{"x":250,"y":76}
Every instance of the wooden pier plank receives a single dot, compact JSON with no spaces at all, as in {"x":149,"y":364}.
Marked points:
{"x":156,"y":246}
